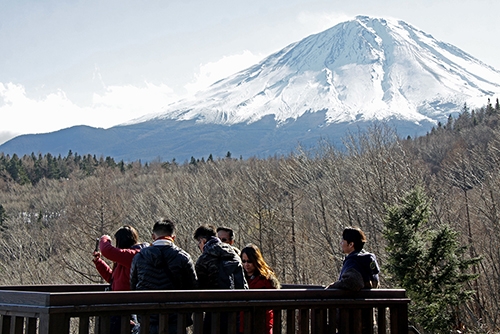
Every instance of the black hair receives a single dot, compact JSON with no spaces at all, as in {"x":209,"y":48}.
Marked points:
{"x":228,"y":230}
{"x":355,"y":235}
{"x":126,"y":237}
{"x":164,"y":227}
{"x":205,"y":232}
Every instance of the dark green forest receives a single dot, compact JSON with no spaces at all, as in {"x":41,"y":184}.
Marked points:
{"x":293,"y":207}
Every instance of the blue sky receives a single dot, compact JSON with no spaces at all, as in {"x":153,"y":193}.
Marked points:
{"x":102,"y":63}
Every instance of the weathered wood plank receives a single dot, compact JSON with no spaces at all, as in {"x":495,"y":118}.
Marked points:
{"x":312,"y":310}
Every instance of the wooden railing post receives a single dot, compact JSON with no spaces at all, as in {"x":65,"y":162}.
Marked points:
{"x":53,"y":324}
{"x":290,"y":321}
{"x":381,"y":320}
{"x":18,"y":325}
{"x":83,"y":324}
{"x":5,"y":324}
{"x":399,"y":319}
{"x":198,"y":323}
{"x":344,"y":321}
{"x":31,"y":326}
{"x":277,"y":321}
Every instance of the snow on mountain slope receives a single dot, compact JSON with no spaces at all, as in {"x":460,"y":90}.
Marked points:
{"x":364,"y":69}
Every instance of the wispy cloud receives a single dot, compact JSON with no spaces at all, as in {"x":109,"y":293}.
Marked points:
{"x":321,"y":21}
{"x":227,"y":65}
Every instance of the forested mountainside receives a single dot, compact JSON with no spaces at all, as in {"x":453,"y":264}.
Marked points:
{"x":293,"y":207}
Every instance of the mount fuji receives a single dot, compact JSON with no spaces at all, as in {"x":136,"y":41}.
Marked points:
{"x":358,"y":72}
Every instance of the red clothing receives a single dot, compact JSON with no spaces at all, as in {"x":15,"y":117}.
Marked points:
{"x":260,"y":282}
{"x":120,"y":276}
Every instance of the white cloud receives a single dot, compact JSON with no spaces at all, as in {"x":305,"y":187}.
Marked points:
{"x":130,"y":102}
{"x":22,"y":115}
{"x":226,"y":66}
{"x":320,"y":21}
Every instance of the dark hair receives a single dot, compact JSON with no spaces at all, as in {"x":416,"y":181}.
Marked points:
{"x":228,"y":230}
{"x":261,"y":267}
{"x":355,"y":235}
{"x":205,"y":232}
{"x":164,"y":227}
{"x":126,"y":237}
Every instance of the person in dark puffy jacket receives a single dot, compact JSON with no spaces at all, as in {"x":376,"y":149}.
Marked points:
{"x":218,"y":267}
{"x":163,"y":266}
{"x":360,"y":269}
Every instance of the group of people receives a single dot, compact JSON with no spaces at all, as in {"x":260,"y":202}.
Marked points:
{"x":163,"y":265}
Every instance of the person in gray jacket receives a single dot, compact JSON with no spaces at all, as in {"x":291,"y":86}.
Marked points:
{"x":163,"y":266}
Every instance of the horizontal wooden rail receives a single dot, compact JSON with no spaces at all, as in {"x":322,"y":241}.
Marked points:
{"x":57,"y":309}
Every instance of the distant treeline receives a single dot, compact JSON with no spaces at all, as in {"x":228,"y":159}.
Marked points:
{"x":32,"y":168}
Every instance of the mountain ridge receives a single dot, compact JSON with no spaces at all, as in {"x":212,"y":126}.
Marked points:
{"x":358,"y":72}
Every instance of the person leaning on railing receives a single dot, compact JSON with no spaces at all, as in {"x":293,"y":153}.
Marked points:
{"x":360,"y":268}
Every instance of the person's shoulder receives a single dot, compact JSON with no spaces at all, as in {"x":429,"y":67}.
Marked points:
{"x":140,"y":246}
{"x":366,"y":257}
{"x":228,"y":252}
{"x":147,"y":252}
{"x":180,"y":252}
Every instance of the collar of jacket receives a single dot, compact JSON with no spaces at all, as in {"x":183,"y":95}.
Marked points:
{"x":162,"y":242}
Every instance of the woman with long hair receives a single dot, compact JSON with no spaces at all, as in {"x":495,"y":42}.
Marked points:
{"x":127,"y":245}
{"x":259,"y":275}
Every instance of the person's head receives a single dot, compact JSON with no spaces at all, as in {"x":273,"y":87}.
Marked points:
{"x":225,"y":234}
{"x":353,"y":239}
{"x":164,"y":228}
{"x":203,"y":234}
{"x":126,"y":237}
{"x":253,"y":262}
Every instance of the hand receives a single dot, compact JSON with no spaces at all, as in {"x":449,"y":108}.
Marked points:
{"x":96,"y":255}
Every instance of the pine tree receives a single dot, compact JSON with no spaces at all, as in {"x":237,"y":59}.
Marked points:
{"x":429,"y":263}
{"x":3,"y":218}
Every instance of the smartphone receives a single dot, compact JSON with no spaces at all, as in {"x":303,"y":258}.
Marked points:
{"x":97,"y":244}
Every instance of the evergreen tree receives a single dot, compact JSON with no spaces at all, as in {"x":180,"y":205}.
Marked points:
{"x":430,"y":264}
{"x":3,"y":218}
{"x":449,"y":124}
{"x":489,"y":108}
{"x":16,"y":170}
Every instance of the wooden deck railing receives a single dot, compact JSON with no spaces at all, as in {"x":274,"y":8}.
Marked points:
{"x":83,"y":309}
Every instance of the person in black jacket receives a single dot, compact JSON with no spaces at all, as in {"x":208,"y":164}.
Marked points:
{"x":163,"y":266}
{"x":360,"y":268}
{"x":218,"y":267}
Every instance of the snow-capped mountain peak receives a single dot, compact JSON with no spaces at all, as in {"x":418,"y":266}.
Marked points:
{"x":363,"y":69}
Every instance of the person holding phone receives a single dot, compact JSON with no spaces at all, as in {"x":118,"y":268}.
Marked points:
{"x":118,"y":276}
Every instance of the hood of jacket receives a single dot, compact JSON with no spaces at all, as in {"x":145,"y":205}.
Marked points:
{"x":217,"y":248}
